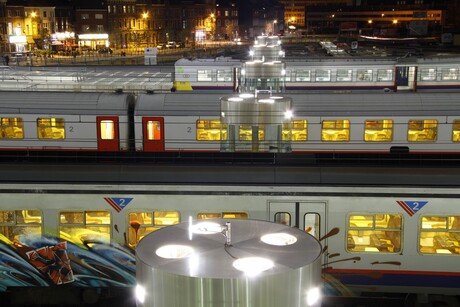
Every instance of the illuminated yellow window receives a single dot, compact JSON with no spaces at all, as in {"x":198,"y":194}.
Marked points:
{"x":378,"y":130}
{"x":234,"y":215}
{"x":83,"y":227}
{"x":11,"y":128}
{"x":51,"y":128}
{"x":425,"y":130}
{"x":165,"y":218}
{"x":440,"y":235}
{"x":218,"y":215}
{"x":142,"y":223}
{"x":379,"y":233}
{"x":456,"y":130}
{"x":16,"y":225}
{"x":246,"y":133}
{"x":153,"y":130}
{"x":107,"y":129}
{"x":295,"y":131}
{"x":210,"y":130}
{"x":335,"y":130}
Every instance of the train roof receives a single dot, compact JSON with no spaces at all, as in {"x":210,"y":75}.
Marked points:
{"x":385,"y":104}
{"x":218,"y":61}
{"x":65,"y":103}
{"x":180,"y":104}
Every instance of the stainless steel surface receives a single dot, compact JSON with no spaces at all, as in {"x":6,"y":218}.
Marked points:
{"x":254,"y":111}
{"x":208,"y":277}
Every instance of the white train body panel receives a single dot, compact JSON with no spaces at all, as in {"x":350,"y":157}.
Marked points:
{"x":312,"y":75}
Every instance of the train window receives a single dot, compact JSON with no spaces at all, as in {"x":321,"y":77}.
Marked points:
{"x":335,"y":130}
{"x":11,"y":128}
{"x":153,"y":130}
{"x":204,"y":75}
{"x":107,"y":129}
{"x":439,"y":235}
{"x":384,"y":75}
{"x":323,"y":75}
{"x":142,"y":223}
{"x":246,"y":133}
{"x":165,"y":218}
{"x":311,"y":222}
{"x":380,"y":130}
{"x":234,"y":215}
{"x":50,"y":128}
{"x":449,"y":74}
{"x":379,"y":233}
{"x":428,"y":74}
{"x":224,"y":75}
{"x":344,"y":74}
{"x":16,"y":223}
{"x":85,"y":226}
{"x":208,"y":215}
{"x":295,"y":131}
{"x":456,"y":130}
{"x":210,"y":130}
{"x":224,"y":215}
{"x":283,"y":218}
{"x":364,"y":75}
{"x":302,"y":75}
{"x":422,"y":130}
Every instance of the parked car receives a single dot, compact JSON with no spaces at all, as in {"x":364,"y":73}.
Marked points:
{"x":171,"y":45}
{"x":161,"y":46}
{"x":105,"y":50}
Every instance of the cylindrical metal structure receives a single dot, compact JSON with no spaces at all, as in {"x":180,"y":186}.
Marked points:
{"x":203,"y":265}
{"x":246,"y":109}
{"x":263,"y":70}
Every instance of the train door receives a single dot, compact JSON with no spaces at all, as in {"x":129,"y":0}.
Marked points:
{"x":107,"y":133}
{"x":153,"y":134}
{"x":405,"y":78}
{"x":309,"y":216}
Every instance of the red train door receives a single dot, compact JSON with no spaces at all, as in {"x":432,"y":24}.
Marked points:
{"x":107,"y":133}
{"x":153,"y":133}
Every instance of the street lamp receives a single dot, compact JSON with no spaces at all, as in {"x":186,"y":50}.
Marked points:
{"x":274,"y":23}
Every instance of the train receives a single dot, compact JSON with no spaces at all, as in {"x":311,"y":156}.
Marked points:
{"x":374,"y":239}
{"x":374,"y":75}
{"x":418,"y":123}
{"x":267,"y":68}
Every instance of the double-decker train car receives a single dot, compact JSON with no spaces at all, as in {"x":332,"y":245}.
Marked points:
{"x":328,"y":75}
{"x":177,"y":122}
{"x":374,"y":239}
{"x":66,"y":121}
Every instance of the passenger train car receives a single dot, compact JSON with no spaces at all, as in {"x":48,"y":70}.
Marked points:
{"x":374,"y":239}
{"x":327,"y":75}
{"x":175,"y":123}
